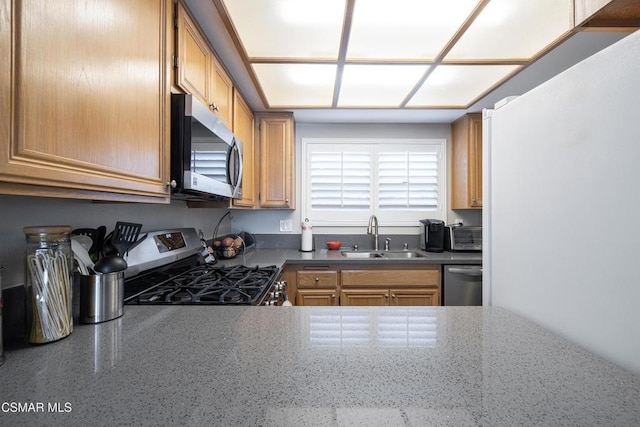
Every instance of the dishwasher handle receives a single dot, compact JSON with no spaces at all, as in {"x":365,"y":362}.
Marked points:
{"x":469,"y":271}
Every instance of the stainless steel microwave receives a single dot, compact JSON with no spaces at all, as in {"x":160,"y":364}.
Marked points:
{"x":206,"y":157}
{"x":463,"y":238}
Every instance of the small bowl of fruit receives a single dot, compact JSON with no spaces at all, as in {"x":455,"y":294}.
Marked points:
{"x":228,"y":247}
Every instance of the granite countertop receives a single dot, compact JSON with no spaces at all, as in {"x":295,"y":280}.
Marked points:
{"x":293,"y":256}
{"x":315,"y":366}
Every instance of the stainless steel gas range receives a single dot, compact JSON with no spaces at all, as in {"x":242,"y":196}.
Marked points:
{"x":168,"y":268}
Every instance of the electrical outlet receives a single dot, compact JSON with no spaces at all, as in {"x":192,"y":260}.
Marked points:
{"x":286,"y":225}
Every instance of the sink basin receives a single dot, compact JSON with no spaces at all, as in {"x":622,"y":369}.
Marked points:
{"x":388,"y":254}
{"x":402,"y":254}
{"x":361,"y":254}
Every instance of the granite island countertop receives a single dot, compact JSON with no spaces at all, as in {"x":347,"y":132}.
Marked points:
{"x":315,"y":366}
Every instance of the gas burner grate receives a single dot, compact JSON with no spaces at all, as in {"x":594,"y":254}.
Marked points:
{"x":211,"y":285}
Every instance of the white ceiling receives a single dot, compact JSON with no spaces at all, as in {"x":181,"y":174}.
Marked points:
{"x":569,"y":52}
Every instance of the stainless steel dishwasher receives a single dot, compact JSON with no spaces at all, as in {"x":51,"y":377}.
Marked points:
{"x":462,"y":285}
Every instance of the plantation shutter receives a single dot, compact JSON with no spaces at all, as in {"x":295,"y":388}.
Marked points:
{"x":340,"y":180}
{"x":345,"y":181}
{"x":407,"y":180}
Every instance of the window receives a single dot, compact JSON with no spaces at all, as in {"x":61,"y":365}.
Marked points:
{"x":344,"y":181}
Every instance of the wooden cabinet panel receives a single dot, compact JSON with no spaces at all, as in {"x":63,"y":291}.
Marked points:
{"x":276,"y":161}
{"x":414,"y":297}
{"x":430,"y":276}
{"x":376,"y":285}
{"x":364,"y":297}
{"x":221,"y":95}
{"x":199,"y":72}
{"x":316,"y":297}
{"x":243,"y":127}
{"x":317,"y":279}
{"x":466,"y":167}
{"x":89,"y":120}
{"x":194,"y":57}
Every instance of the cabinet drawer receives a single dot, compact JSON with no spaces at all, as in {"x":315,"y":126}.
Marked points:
{"x":317,"y":279}
{"x":387,"y":278}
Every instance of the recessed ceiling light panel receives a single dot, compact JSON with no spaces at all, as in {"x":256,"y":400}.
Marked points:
{"x":297,"y":85}
{"x":405,"y":29}
{"x":378,"y":85}
{"x":458,"y":85}
{"x":288,"y":28}
{"x":508,"y":29}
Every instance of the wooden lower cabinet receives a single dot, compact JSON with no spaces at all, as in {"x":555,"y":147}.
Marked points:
{"x":391,"y":296}
{"x":382,"y":285}
{"x":316,"y":297}
{"x":407,"y":297}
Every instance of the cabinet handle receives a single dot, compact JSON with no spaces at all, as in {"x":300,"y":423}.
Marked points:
{"x":317,"y":279}
{"x":214,"y":106}
{"x":393,"y":295}
{"x":386,"y":295}
{"x":333,"y":295}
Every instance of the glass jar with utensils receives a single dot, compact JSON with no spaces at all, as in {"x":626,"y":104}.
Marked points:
{"x":49,"y":276}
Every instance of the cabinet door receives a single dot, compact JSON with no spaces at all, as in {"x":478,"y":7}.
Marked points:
{"x":84,"y":99}
{"x":243,"y":127}
{"x":475,"y":162}
{"x":466,"y":153}
{"x":276,"y":161}
{"x":221,"y":96}
{"x":317,"y":297}
{"x":364,"y":297}
{"x":194,"y":58}
{"x":405,"y":297}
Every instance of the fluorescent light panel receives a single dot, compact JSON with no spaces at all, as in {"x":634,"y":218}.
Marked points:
{"x":458,"y":85}
{"x":508,"y":29}
{"x":404,"y":29}
{"x":288,"y":28}
{"x":287,"y":85}
{"x":378,"y":85}
{"x":288,"y":43}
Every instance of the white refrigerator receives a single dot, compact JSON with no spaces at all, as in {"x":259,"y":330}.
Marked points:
{"x":562,"y":204}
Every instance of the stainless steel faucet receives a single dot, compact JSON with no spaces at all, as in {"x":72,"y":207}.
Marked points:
{"x":372,"y":228}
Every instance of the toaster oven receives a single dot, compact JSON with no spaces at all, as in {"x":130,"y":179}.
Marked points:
{"x":463,"y":238}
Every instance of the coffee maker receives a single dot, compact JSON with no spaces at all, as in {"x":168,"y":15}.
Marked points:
{"x":432,"y":235}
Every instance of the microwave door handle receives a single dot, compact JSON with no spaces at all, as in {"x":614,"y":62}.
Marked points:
{"x":235,"y":182}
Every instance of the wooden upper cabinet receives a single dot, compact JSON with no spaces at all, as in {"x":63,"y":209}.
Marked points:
{"x":194,"y":57}
{"x":199,"y":72}
{"x":466,"y":167}
{"x":243,"y":128}
{"x":276,"y":142}
{"x":221,"y":95}
{"x":84,"y":109}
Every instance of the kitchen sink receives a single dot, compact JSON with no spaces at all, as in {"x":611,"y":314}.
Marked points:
{"x":361,"y":254}
{"x":385,"y":254}
{"x":401,"y":254}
